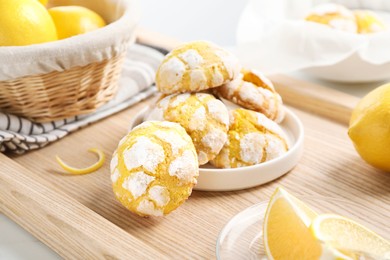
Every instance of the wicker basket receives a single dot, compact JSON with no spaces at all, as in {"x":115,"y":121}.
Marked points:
{"x":74,"y":89}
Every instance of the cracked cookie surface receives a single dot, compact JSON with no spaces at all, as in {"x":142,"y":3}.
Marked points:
{"x":252,"y":139}
{"x":154,"y":168}
{"x":252,"y":90}
{"x":204,"y":117}
{"x":335,"y":16}
{"x":196,"y":66}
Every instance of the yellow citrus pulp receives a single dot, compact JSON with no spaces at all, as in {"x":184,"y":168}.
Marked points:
{"x":25,"y":22}
{"x":44,"y":2}
{"x":369,"y":128}
{"x":75,"y":20}
{"x":287,"y":232}
{"x":89,"y":169}
{"x":340,"y":232}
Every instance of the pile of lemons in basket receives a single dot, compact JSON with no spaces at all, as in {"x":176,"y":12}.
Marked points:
{"x":26,"y":22}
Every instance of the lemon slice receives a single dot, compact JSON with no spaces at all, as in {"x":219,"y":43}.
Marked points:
{"x":287,"y":232}
{"x":44,"y":2}
{"x":341,"y":232}
{"x":89,"y":169}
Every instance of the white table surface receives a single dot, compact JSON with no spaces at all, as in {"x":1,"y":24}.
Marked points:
{"x":183,"y":19}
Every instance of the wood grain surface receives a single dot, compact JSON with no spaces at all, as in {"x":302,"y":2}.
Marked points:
{"x":78,"y":216}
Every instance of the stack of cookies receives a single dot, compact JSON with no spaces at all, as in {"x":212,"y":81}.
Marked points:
{"x":198,"y":78}
{"x":156,"y":165}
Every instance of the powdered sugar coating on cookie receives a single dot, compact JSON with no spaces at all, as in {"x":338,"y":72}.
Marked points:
{"x":335,"y":16}
{"x":196,"y":66}
{"x":159,"y":195}
{"x":154,"y":169}
{"x":252,"y":139}
{"x":192,"y":58}
{"x":115,"y":175}
{"x":230,"y":62}
{"x":215,"y":107}
{"x":114,"y":162}
{"x":173,"y":139}
{"x":137,"y":183}
{"x":214,"y":139}
{"x":184,"y":166}
{"x":251,"y":148}
{"x":369,"y":22}
{"x":144,"y":152}
{"x":252,"y":90}
{"x":204,"y":117}
{"x":173,"y":71}
{"x":198,"y":120}
{"x":147,"y":208}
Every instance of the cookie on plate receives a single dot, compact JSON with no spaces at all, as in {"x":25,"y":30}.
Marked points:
{"x":196,"y":66}
{"x":205,"y":118}
{"x":368,"y":22}
{"x":154,"y":168}
{"x":252,"y":139}
{"x":335,"y":16}
{"x":252,"y":90}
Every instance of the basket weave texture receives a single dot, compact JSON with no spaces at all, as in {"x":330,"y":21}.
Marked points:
{"x":58,"y":95}
{"x":60,"y":79}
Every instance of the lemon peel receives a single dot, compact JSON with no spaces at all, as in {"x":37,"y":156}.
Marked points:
{"x":86,"y":170}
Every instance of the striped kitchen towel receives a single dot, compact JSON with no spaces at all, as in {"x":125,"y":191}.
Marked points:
{"x":19,"y":135}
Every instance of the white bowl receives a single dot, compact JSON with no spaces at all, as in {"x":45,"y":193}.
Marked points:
{"x":274,"y":40}
{"x":352,"y":70}
{"x":213,"y":179}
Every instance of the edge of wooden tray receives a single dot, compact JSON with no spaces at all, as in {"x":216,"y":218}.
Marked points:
{"x":62,"y":222}
{"x":65,"y":225}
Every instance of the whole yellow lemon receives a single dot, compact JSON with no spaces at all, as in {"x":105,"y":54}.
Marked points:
{"x":369,"y":128}
{"x":25,"y":22}
{"x":75,"y":20}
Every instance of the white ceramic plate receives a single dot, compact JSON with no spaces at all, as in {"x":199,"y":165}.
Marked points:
{"x":242,"y":237}
{"x":212,"y":179}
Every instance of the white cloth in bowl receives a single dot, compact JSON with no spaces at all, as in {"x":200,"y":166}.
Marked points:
{"x":19,"y":135}
{"x":272,"y":36}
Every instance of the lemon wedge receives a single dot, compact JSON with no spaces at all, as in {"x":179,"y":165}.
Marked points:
{"x":44,"y":2}
{"x":287,"y":232}
{"x":341,"y":232}
{"x":89,"y":169}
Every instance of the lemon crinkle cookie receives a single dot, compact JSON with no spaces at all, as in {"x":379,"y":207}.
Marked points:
{"x":369,"y":22}
{"x":205,"y":118}
{"x":335,"y":16}
{"x":196,"y":66}
{"x":252,"y":90}
{"x":154,"y":168}
{"x":252,"y":139}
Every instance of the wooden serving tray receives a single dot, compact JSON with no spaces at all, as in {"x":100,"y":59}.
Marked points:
{"x":78,"y":216}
